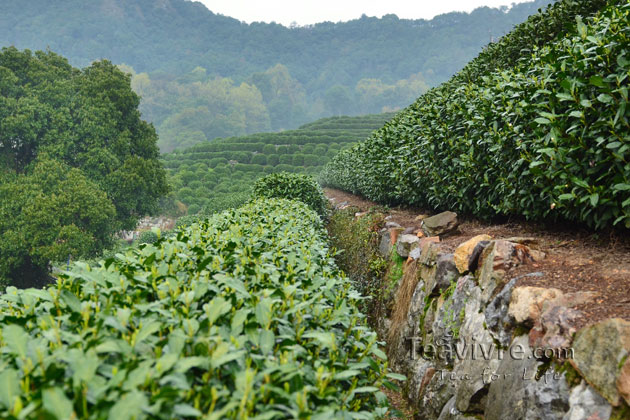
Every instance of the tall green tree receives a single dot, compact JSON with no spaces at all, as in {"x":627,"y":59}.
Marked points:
{"x":88,"y":119}
{"x":47,"y":215}
{"x":77,"y":162}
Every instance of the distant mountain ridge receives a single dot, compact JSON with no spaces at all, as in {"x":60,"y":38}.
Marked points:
{"x":177,"y":35}
{"x":203,"y":75}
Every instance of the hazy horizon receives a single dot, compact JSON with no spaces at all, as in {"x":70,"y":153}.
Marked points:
{"x":309,"y":12}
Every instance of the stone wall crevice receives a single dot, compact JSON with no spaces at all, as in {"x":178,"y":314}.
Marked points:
{"x":473,"y":343}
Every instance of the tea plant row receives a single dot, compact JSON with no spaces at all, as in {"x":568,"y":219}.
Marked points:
{"x":244,"y":315}
{"x":217,"y":175}
{"x":537,"y":126}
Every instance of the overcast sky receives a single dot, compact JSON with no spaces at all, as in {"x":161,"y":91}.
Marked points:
{"x":305,"y":12}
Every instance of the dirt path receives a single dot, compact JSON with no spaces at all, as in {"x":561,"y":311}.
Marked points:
{"x":577,"y":260}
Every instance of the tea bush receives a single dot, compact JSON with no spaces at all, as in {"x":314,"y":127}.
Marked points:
{"x":244,"y":315}
{"x":199,"y":174}
{"x":299,"y":187}
{"x":148,"y":237}
{"x":541,"y":132}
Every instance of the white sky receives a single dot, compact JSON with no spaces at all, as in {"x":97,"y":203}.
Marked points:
{"x":306,"y":12}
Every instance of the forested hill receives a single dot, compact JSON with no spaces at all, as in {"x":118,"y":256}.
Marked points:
{"x":177,"y":35}
{"x":203,"y":75}
{"x":536,"y":126}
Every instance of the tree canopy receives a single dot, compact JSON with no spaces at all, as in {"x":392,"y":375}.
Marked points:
{"x":203,"y":75}
{"x":77,"y":162}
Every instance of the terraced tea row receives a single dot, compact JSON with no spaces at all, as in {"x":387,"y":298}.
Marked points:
{"x":216,"y":175}
{"x":536,"y":126}
{"x":244,"y":315}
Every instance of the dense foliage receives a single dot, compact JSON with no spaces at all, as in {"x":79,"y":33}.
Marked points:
{"x":541,"y":133}
{"x":214,"y":176}
{"x":76,"y":161}
{"x":242,"y":316}
{"x":299,"y":187}
{"x":197,"y":107}
{"x":47,"y":215}
{"x":204,"y":75}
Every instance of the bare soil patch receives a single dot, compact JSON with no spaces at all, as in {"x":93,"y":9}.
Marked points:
{"x":577,"y":259}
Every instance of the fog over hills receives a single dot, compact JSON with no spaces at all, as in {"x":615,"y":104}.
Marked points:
{"x":367,"y":65}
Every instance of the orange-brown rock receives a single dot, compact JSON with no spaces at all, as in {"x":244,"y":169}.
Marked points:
{"x":464,"y":251}
{"x":526,"y":303}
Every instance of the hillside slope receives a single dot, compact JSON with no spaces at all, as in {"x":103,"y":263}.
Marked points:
{"x":216,"y":175}
{"x":176,"y":35}
{"x":536,"y":126}
{"x":203,"y":76}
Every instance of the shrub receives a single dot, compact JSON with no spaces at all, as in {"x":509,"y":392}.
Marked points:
{"x":221,"y":202}
{"x":272,"y":160}
{"x":194,"y":209}
{"x":320,"y":150}
{"x":259,"y":159}
{"x":311,"y":160}
{"x":195,"y":184}
{"x":187,"y":176}
{"x":544,"y":136}
{"x":298,"y":159}
{"x":147,"y":237}
{"x":215,"y":161}
{"x":283,"y":167}
{"x":185,"y":193}
{"x":293,"y":187}
{"x":286,"y":159}
{"x":241,"y":157}
{"x":241,"y":316}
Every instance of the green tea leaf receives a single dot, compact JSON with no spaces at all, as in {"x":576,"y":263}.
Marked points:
{"x":325,"y":339}
{"x":9,"y":388}
{"x":621,"y":187}
{"x":263,"y":312}
{"x":15,"y":338}
{"x":267,"y":341}
{"x":129,"y":407}
{"x":217,"y":307}
{"x":346,"y":374}
{"x":597,"y":81}
{"x":186,"y":410}
{"x":396,"y":376}
{"x":147,"y":330}
{"x":187,"y":363}
{"x":71,"y":300}
{"x":57,"y":404}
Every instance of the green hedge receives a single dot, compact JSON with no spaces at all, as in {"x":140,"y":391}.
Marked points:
{"x":242,"y":316}
{"x":293,"y":187}
{"x":300,"y":151}
{"x":547,"y":138}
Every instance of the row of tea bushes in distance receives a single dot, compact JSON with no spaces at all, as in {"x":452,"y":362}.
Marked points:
{"x":218,"y":174}
{"x":548,"y":138}
{"x":244,"y":315}
{"x":226,"y":187}
{"x":299,"y":187}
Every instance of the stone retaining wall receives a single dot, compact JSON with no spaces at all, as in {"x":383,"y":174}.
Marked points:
{"x":474,"y":344}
